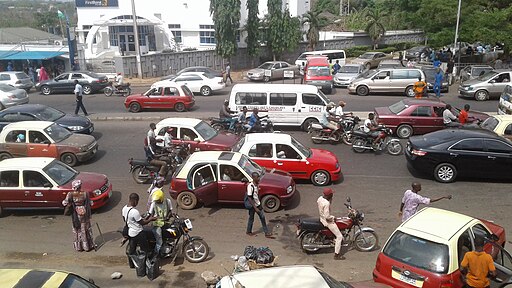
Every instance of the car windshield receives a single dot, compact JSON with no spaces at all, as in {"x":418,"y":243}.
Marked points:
{"x":250,"y":166}
{"x":490,"y":123}
{"x":266,"y":66}
{"x":49,"y":114}
{"x":397,"y":107}
{"x":60,"y":172}
{"x":93,"y":75}
{"x":206,"y":131}
{"x":366,"y":56}
{"x":331,"y":282}
{"x":239,"y":145}
{"x":208,"y":75}
{"x":367,"y":74}
{"x":323,"y":97}
{"x":303,"y":150}
{"x":487,"y":75}
{"x":349,"y":69}
{"x":73,"y":281}
{"x":319,"y":71}
{"x":57,"y":133}
{"x":187,"y":91}
{"x":6,"y":88}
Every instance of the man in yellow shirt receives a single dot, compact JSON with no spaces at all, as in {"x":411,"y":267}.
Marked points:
{"x":477,"y":265}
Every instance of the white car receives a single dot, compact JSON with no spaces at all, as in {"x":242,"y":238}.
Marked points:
{"x":197,"y":82}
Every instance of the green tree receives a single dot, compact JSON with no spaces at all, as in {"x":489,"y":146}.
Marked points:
{"x":252,"y":27}
{"x":375,"y":27}
{"x":226,"y":19}
{"x":282,"y":32}
{"x":315,"y":22}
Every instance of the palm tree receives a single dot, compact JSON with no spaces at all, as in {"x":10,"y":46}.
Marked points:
{"x":375,"y":27}
{"x":315,"y":23}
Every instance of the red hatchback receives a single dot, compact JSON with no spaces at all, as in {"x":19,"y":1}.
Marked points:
{"x":170,"y":96}
{"x":416,"y":116}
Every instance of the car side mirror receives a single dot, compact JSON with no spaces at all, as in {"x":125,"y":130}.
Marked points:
{"x":492,"y":81}
{"x":245,"y":180}
{"x":494,"y":237}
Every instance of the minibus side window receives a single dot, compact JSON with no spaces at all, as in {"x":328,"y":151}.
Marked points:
{"x":248,"y":98}
{"x":283,"y":99}
{"x":311,"y":99}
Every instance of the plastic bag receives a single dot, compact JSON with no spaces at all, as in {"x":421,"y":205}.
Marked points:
{"x":250,"y":252}
{"x":152,"y":267}
{"x":139,"y":261}
{"x":264,"y":255}
{"x":241,"y":265}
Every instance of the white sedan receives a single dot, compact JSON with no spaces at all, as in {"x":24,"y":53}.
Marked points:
{"x":197,"y":82}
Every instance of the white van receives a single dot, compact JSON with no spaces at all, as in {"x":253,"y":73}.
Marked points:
{"x":332,"y":56}
{"x":286,"y":104}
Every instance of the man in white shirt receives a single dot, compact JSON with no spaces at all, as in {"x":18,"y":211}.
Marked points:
{"x":449,"y":120}
{"x":324,"y":209}
{"x":339,"y":110}
{"x":412,"y":199}
{"x":370,"y":128}
{"x":252,"y":195}
{"x":119,"y":80}
{"x":168,"y":138}
{"x":325,"y":120}
{"x":135,"y":222}
{"x":79,"y":93}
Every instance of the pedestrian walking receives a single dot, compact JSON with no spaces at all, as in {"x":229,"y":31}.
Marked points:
{"x":476,"y":266}
{"x":253,"y":204}
{"x":228,"y":73}
{"x":79,"y":205}
{"x":412,"y":199}
{"x":327,"y":219}
{"x":79,"y":95}
{"x":43,"y":74}
{"x":438,"y":79}
{"x":449,"y":71}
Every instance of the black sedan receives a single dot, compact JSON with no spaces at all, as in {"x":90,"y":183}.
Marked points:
{"x":34,"y":112}
{"x":430,"y":74}
{"x":416,"y":52}
{"x":65,"y":83}
{"x":450,"y":153}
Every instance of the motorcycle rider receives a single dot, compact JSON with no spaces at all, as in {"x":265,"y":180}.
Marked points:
{"x":370,"y":128}
{"x":227,"y":115}
{"x":119,"y":81}
{"x":242,"y":117}
{"x":339,"y":110}
{"x":328,"y":220}
{"x":156,"y":184}
{"x":161,"y":209}
{"x":255,"y":121}
{"x":150,"y":149}
{"x":327,"y":119}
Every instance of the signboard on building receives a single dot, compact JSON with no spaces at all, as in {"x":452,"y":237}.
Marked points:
{"x":96,"y":3}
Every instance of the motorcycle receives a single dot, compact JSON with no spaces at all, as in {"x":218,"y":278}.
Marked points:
{"x":220,"y":124}
{"x":362,"y":141}
{"x":122,"y":90}
{"x":348,"y":124}
{"x":344,"y":133}
{"x":314,"y":235}
{"x":264,"y":125}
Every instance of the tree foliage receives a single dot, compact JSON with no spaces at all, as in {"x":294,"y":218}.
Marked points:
{"x":252,"y":27}
{"x":226,"y":19}
{"x":375,"y":18}
{"x":282,"y":32}
{"x":315,"y":22}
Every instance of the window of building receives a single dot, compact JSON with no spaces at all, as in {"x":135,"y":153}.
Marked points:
{"x":175,"y":29}
{"x":238,"y":36}
{"x":174,"y":26}
{"x":207,"y":27}
{"x":207,"y":37}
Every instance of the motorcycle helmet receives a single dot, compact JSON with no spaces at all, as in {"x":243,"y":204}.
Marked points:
{"x":158,"y":195}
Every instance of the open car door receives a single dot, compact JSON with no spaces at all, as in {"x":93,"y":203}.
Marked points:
{"x":503,"y":264}
{"x":204,"y":184}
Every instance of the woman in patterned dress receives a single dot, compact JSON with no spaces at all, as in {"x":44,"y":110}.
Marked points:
{"x":80,"y":206}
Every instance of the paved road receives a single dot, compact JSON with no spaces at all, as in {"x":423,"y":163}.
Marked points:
{"x":374,"y":182}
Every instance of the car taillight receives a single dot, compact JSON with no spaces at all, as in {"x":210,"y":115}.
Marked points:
{"x":173,"y":185}
{"x":418,"y":152}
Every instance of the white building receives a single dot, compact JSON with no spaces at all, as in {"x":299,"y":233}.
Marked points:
{"x":106,"y":26}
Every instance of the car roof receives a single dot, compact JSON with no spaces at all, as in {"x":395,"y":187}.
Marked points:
{"x":25,"y":108}
{"x":408,"y":101}
{"x":250,"y":87}
{"x":481,"y":66}
{"x":192,"y":73}
{"x":32,"y":278}
{"x":167,"y":83}
{"x":206,"y":156}
{"x":264,"y":138}
{"x":274,"y":62}
{"x":12,"y":72}
{"x":188,"y":122}
{"x":505,"y":118}
{"x":352,"y":64}
{"x":435,"y":224}
{"x":371,"y":53}
{"x":29,"y":124}
{"x":25,"y":163}
{"x":457,"y":134}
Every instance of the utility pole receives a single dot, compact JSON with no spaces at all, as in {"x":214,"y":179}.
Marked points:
{"x":137,"y":44}
{"x":456,"y":41}
{"x":71,"y":47}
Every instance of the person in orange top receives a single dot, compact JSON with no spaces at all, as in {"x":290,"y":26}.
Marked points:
{"x":419,"y":88}
{"x":477,"y":265}
{"x":463,"y":115}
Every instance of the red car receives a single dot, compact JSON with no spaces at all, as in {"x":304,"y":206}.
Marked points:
{"x":213,"y":177}
{"x":283,"y":152}
{"x":416,"y":116}
{"x":170,"y":96}
{"x":42,"y":182}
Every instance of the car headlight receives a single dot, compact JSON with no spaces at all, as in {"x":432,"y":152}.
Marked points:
{"x":469,"y":88}
{"x":289,"y":189}
{"x":75,"y":128}
{"x":96,"y":192}
{"x":445,"y":84}
{"x":337,"y":165}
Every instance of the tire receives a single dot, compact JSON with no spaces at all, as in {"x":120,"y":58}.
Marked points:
{"x":46,"y":90}
{"x":404,"y":131}
{"x":270,"y":203}
{"x":4,"y":156}
{"x":481,"y":95}
{"x":187,"y":200}
{"x":316,"y":134}
{"x":108,"y":91}
{"x":1,"y":211}
{"x":445,"y":173}
{"x":69,"y":158}
{"x":409,"y":91}
{"x":87,"y":89}
{"x":134,"y":107}
{"x":179,"y":107}
{"x":196,"y":251}
{"x":218,"y":126}
{"x":308,"y":238}
{"x":362,"y":90}
{"x":360,"y":142}
{"x":266,"y":79}
{"x":320,"y":178}
{"x":395,"y":148}
{"x":346,"y":138}
{"x":366,"y":241}
{"x":368,"y":66}
{"x":205,"y":91}
{"x":127,"y":91}
{"x":140,"y":175}
{"x":307,"y":123}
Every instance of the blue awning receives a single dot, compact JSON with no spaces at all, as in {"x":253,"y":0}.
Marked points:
{"x":29,"y":55}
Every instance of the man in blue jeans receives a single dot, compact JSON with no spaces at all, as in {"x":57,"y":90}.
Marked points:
{"x":252,"y":193}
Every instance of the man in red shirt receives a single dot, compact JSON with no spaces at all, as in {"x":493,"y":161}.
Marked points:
{"x":463,"y":115}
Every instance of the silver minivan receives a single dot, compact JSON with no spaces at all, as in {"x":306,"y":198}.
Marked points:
{"x":399,"y":80}
{"x":489,"y":85}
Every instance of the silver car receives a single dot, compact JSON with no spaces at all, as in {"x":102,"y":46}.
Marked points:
{"x":347,"y":74}
{"x":474,"y":71}
{"x":10,"y":96}
{"x":387,"y":81}
{"x":371,"y":59}
{"x":16,"y":79}
{"x":486,"y":86}
{"x":275,"y":68}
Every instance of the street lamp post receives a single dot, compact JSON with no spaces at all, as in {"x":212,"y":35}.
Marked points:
{"x":71,"y":47}
{"x":456,"y":41}
{"x":137,"y":47}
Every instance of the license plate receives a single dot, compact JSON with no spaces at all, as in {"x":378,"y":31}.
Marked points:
{"x":405,"y":279}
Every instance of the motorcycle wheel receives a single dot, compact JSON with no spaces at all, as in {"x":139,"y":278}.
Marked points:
{"x":218,"y":127}
{"x":127,"y":91}
{"x":141,"y":175}
{"x":108,"y":91}
{"x":358,"y":142}
{"x":395,"y":148}
{"x":366,"y":241}
{"x":347,"y":139}
{"x":196,"y":251}
{"x":308,"y":238}
{"x":317,"y":133}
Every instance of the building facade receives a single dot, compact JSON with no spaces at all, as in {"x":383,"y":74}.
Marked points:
{"x":106,"y":26}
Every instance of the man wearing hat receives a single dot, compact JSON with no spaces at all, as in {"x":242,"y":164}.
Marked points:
{"x":324,"y":208}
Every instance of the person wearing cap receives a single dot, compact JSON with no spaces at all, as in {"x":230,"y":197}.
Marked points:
{"x":168,"y":137}
{"x":156,"y":184}
{"x":79,"y":204}
{"x":324,"y":208}
{"x":161,"y":209}
{"x":20,"y":138}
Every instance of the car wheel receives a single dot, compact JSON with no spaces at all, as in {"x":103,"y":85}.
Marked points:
{"x":135,"y":107}
{"x":307,"y":123}
{"x":206,"y":91}
{"x":218,"y":127}
{"x":179,"y":107}
{"x":270,"y":203}
{"x":266,"y":79}
{"x":4,"y":156}
{"x":362,"y":91}
{"x":404,"y":131}
{"x":445,"y":173}
{"x":368,"y":66}
{"x":46,"y":90}
{"x":320,"y":178}
{"x":187,"y":200}
{"x":87,"y":89}
{"x":481,"y":95}
{"x":409,"y":91}
{"x":69,"y":159}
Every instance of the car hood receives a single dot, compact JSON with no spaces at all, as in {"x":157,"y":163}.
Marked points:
{"x":346,"y":75}
{"x":478,"y":115}
{"x":73,"y":120}
{"x":323,"y":156}
{"x":224,"y":139}
{"x":383,"y":111}
{"x":276,"y":178}
{"x":78,"y":140}
{"x":90,"y":181}
{"x":474,"y":81}
{"x":256,"y":70}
